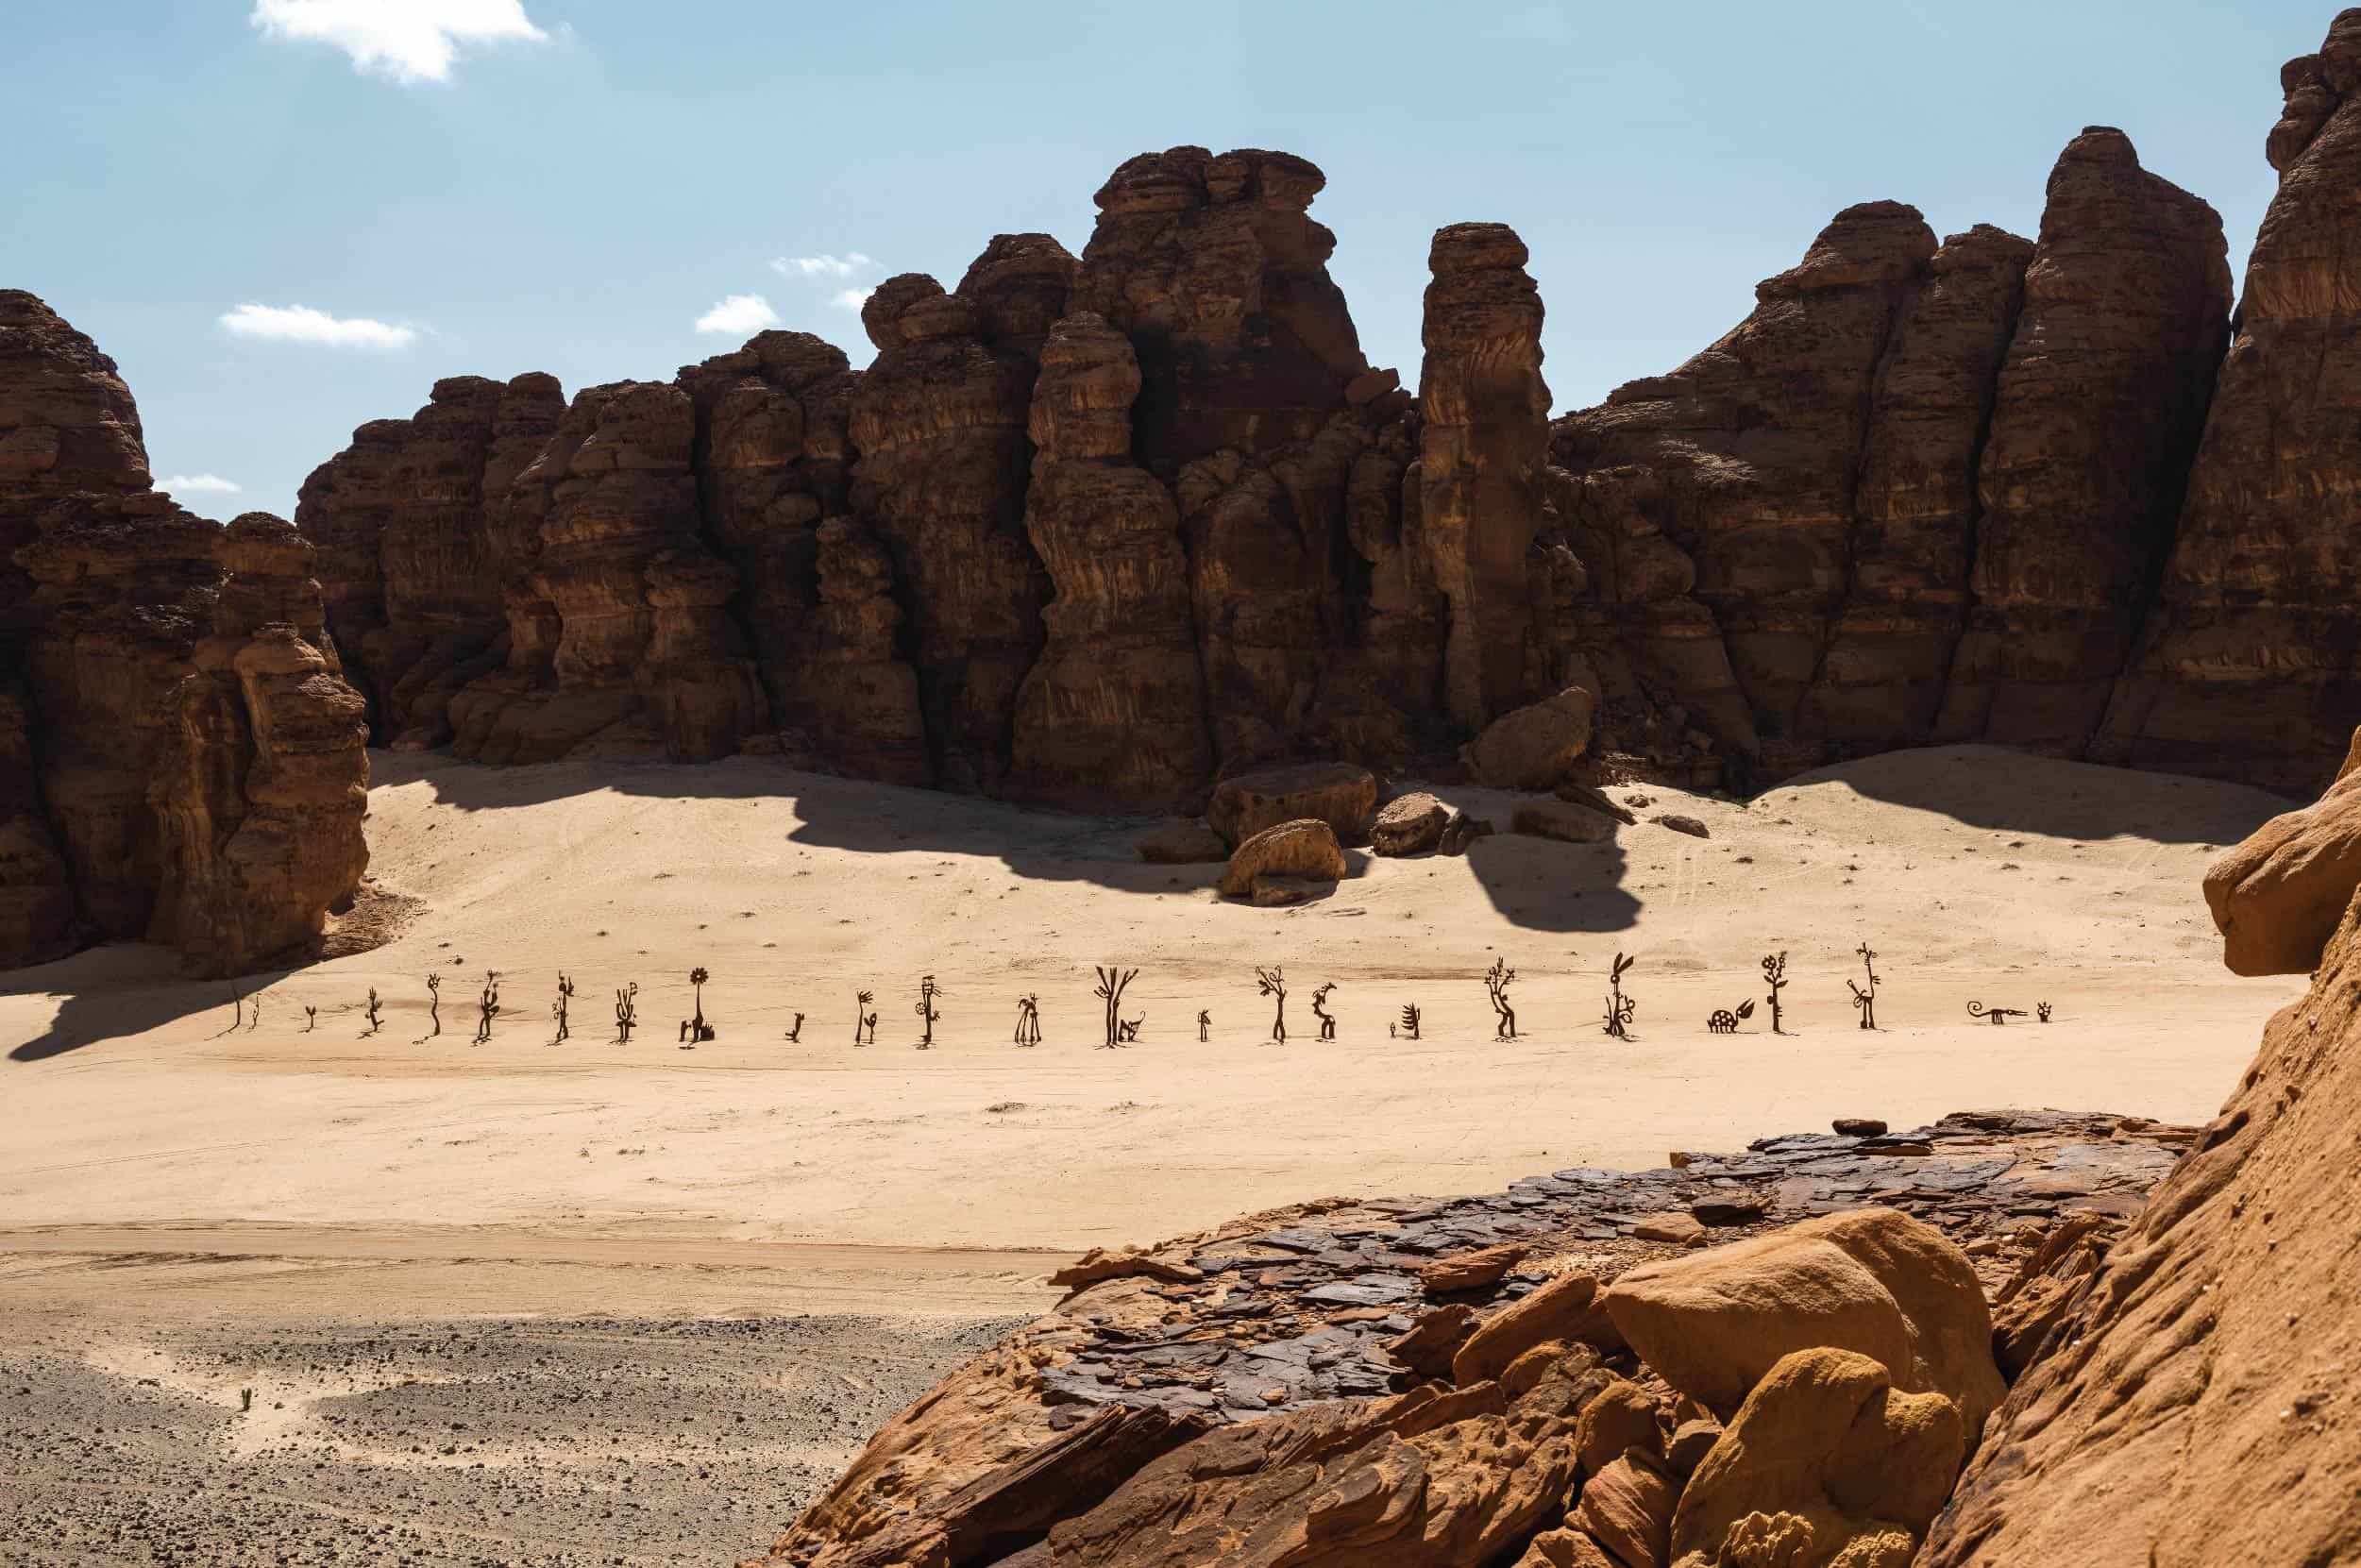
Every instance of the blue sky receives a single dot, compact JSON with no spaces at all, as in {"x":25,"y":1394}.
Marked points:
{"x":493,"y":186}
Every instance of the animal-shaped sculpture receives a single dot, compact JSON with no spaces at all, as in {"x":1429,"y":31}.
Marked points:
{"x":2000,"y":1015}
{"x":1129,"y":1029}
{"x":1723,"y":1022}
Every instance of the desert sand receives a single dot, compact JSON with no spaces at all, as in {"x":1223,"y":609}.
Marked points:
{"x":217,"y":1206}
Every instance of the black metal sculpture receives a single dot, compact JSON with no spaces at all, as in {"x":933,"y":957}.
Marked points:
{"x":1496,"y":983}
{"x":558,"y":1008}
{"x":862,"y":1018}
{"x":434,"y":1005}
{"x":695,"y":1030}
{"x":487,"y":1005}
{"x":1866,"y":1002}
{"x":1273,"y":982}
{"x":1112,"y":980}
{"x":626,"y":1012}
{"x":1127,"y":1030}
{"x":795,"y":1033}
{"x":1029,"y":1020}
{"x":1723,"y":1022}
{"x":1320,"y":1009}
{"x":2043,"y":1008}
{"x":312,"y":1018}
{"x":1775,"y":976}
{"x":1204,"y":1025}
{"x":1411,"y":1019}
{"x":1620,"y":1008}
{"x":928,"y":991}
{"x":371,"y":1014}
{"x":1997,"y":1015}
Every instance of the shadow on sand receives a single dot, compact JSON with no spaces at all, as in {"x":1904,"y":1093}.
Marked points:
{"x":2005,"y":790}
{"x":1536,"y":884}
{"x":120,"y":989}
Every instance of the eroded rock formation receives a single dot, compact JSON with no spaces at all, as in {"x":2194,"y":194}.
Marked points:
{"x":127,"y":810}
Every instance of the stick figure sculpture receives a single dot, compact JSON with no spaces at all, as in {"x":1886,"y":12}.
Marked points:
{"x":928,"y":991}
{"x":1496,"y":983}
{"x":434,"y":1005}
{"x":626,"y":1012}
{"x":487,"y":1005}
{"x":1723,"y":1022}
{"x":1866,"y":1002}
{"x":862,"y":1017}
{"x":1112,"y":980}
{"x":1411,"y":1019}
{"x":311,"y":1020}
{"x":1029,"y":1020}
{"x":1204,"y":1025}
{"x":1273,"y":982}
{"x":1775,"y":976}
{"x":1620,"y":1008}
{"x":1320,"y":1009}
{"x":795,"y":1034}
{"x":370,"y":1013}
{"x":694,"y":1031}
{"x":557,"y":1008}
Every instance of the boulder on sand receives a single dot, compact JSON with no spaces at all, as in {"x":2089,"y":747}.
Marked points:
{"x":1410,"y":824}
{"x":1337,"y":793}
{"x":2277,"y":895}
{"x":1532,"y":746}
{"x":1305,"y":850}
{"x":1564,"y":821}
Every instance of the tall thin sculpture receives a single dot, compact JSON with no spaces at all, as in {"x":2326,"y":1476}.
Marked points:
{"x":626,"y":1012}
{"x":371,"y":1013}
{"x":434,"y":1005}
{"x":795,"y":1034}
{"x":1496,"y":983}
{"x":1273,"y":984}
{"x":1775,"y":976}
{"x":862,"y":1017}
{"x":1320,"y":1009}
{"x":312,"y":1018}
{"x":1411,"y":1019}
{"x":695,"y":1030}
{"x":557,"y":1008}
{"x":1620,"y":1008}
{"x":487,"y":1005}
{"x":1110,"y":990}
{"x":1204,"y":1025}
{"x":1866,"y":1002}
{"x":928,"y":991}
{"x":1028,"y":1020}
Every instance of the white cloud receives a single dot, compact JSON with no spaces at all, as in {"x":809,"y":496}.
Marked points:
{"x":821,"y":266}
{"x":850,"y":299}
{"x":302,"y":324}
{"x":411,"y":41}
{"x":211,"y":484}
{"x":740,"y":315}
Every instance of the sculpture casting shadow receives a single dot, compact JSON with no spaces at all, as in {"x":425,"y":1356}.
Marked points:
{"x":124,"y":989}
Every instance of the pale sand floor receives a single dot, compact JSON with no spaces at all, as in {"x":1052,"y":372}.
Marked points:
{"x":322,"y":1170}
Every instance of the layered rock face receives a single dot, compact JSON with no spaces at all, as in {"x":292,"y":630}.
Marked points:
{"x":1923,"y":490}
{"x":104,"y":620}
{"x":2248,"y":667}
{"x":263,"y":779}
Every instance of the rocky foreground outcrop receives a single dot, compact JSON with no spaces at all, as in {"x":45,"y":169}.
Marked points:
{"x":182,"y":759}
{"x":1100,"y":529}
{"x":1515,"y":1376}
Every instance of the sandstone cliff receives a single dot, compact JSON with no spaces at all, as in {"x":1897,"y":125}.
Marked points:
{"x":182,"y":760}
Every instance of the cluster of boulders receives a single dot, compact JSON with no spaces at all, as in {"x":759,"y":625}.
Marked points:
{"x":1524,"y":1376}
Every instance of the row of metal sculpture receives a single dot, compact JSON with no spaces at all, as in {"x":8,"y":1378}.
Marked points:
{"x":1113,"y":980}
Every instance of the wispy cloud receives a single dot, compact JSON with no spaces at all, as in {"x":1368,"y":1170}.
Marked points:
{"x":740,"y":315}
{"x":850,"y":299}
{"x":821,"y":266}
{"x":211,"y":484}
{"x":302,"y":324}
{"x":410,"y":41}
